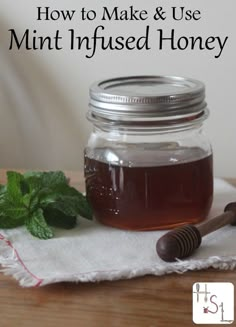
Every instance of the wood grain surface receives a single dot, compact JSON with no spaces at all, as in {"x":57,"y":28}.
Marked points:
{"x":146,"y":301}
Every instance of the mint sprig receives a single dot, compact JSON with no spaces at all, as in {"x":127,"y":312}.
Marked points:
{"x":40,"y":200}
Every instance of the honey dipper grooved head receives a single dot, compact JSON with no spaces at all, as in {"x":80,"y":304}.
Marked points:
{"x":178,"y":243}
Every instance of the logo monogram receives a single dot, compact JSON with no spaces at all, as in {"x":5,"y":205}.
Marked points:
{"x":213,"y":303}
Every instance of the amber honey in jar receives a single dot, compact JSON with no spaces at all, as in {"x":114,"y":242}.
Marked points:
{"x":148,"y":163}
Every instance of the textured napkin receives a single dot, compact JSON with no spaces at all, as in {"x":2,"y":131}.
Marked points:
{"x":93,"y":252}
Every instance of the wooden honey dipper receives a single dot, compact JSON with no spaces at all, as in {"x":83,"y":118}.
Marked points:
{"x":181,"y":242}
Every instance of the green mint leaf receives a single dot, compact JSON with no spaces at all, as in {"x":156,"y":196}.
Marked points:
{"x":37,"y":225}
{"x":47,"y":179}
{"x":31,"y":173}
{"x":36,"y":191}
{"x":3,"y":195}
{"x":3,"y":189}
{"x":24,"y":187}
{"x":39,"y":199}
{"x":34,"y":183}
{"x":43,"y":185}
{"x":57,"y":218}
{"x":26,"y":200}
{"x":66,"y":205}
{"x":13,"y":210}
{"x":14,"y":180}
{"x":74,"y":202}
{"x":66,"y":189}
{"x":53,"y":178}
{"x":7,"y":222}
{"x":47,"y":199}
{"x":50,"y":195}
{"x":73,"y":206}
{"x":84,"y":207}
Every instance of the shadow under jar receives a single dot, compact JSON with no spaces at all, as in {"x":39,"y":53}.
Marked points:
{"x":148,"y":164}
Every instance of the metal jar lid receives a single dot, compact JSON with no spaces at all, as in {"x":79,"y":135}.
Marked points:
{"x":138,"y":98}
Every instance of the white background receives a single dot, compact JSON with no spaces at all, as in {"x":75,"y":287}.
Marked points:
{"x":44,"y":94}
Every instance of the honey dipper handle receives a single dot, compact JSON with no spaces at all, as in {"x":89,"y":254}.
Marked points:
{"x":181,"y":242}
{"x":212,"y":225}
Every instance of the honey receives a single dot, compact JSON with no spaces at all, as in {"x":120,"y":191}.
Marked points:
{"x":149,"y":197}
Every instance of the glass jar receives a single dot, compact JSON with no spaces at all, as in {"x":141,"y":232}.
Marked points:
{"x":148,"y":163}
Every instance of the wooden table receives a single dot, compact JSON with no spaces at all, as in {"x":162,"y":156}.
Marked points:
{"x":146,"y":301}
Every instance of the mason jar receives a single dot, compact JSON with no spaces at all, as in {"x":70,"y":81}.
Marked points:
{"x":148,"y":163}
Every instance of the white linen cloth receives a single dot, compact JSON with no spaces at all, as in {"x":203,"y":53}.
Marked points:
{"x":92,"y":252}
